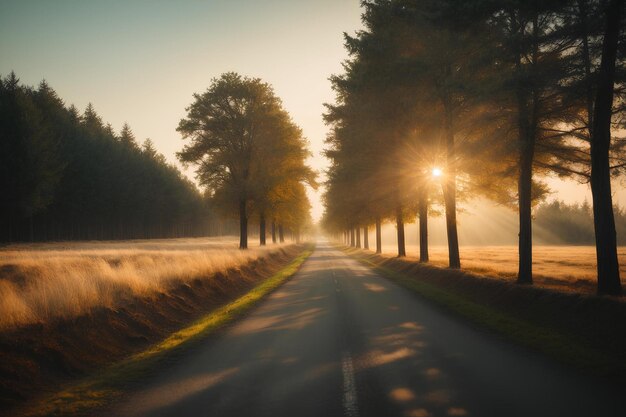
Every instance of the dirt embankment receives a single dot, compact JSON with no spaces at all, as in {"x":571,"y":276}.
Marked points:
{"x":37,"y":358}
{"x":596,"y":322}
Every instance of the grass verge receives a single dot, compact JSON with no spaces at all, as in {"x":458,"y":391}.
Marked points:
{"x":553,"y":342}
{"x":110,"y":383}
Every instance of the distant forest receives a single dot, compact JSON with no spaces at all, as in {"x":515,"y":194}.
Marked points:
{"x":69,"y":176}
{"x":558,"y":223}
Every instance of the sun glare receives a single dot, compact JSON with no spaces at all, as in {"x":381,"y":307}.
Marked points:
{"x":437,"y":172}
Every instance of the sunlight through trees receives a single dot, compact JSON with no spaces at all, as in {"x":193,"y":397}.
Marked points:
{"x":444,"y":101}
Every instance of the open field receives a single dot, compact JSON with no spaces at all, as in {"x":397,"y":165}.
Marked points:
{"x":566,"y":268}
{"x":79,"y":397}
{"x":72,"y":309}
{"x":42,"y":282}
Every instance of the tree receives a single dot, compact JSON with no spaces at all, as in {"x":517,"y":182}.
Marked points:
{"x":518,"y":84}
{"x":69,"y":176}
{"x":29,"y":165}
{"x":604,"y":221}
{"x":407,"y":64}
{"x":369,"y":122}
{"x":596,"y":72}
{"x":127,"y":138}
{"x":282,"y":164}
{"x":240,"y":139}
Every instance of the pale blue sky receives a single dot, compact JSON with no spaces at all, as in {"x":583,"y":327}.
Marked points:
{"x":140,"y":61}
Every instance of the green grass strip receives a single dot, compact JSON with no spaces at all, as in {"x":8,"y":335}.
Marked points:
{"x":101,"y":388}
{"x":550,"y":342}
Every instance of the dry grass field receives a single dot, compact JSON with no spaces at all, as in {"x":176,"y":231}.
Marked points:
{"x":41,"y":282}
{"x":566,"y":268}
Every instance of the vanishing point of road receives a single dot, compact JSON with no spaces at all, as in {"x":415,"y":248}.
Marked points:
{"x":338,"y":340}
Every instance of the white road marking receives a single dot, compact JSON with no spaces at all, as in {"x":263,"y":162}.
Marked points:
{"x":350,"y":407}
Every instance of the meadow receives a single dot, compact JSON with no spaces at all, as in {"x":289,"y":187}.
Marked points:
{"x":43,"y":282}
{"x":564,"y":268}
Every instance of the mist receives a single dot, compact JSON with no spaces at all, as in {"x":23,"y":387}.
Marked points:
{"x":484,"y":223}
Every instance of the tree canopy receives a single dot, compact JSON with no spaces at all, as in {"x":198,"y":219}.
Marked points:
{"x":249,"y":154}
{"x":67,"y":175}
{"x":495,"y":95}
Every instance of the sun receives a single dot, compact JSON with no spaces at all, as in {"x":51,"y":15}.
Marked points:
{"x":437,"y":172}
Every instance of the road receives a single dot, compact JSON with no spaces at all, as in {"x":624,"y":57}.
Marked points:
{"x":338,"y":340}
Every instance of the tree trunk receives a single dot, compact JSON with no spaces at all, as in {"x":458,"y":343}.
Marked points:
{"x":449,"y":189}
{"x":357,"y":231}
{"x":281,"y":233}
{"x":603,"y":216}
{"x":423,"y":219}
{"x":454,"y":259}
{"x":379,"y":243}
{"x":262,"y":229}
{"x":525,"y":275}
{"x":366,"y":238}
{"x":243,"y":225}
{"x":400,"y":231}
{"x":352,"y":240}
{"x":526,"y":146}
{"x":273,"y":231}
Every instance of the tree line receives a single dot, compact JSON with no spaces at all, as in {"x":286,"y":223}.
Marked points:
{"x":69,"y":176}
{"x":249,"y":156}
{"x":447,"y":100}
{"x":559,"y":223}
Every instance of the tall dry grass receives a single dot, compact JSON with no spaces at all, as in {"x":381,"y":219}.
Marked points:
{"x":565,"y":267}
{"x":42,"y":282}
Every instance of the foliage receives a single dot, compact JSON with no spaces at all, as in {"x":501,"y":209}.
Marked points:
{"x":69,"y":176}
{"x":498,"y":94}
{"x":249,"y":154}
{"x":573,"y":223}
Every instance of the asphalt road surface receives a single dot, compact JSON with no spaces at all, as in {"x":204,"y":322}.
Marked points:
{"x":338,"y":340}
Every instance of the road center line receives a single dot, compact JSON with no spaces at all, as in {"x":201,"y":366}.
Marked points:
{"x":350,"y":407}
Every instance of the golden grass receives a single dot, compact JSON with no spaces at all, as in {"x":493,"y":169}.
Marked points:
{"x":41,"y":282}
{"x":101,"y":388}
{"x":563,"y":267}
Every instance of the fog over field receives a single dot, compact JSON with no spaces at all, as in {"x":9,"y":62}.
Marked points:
{"x":480,"y":223}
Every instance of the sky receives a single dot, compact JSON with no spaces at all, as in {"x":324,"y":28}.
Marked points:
{"x":141,"y":61}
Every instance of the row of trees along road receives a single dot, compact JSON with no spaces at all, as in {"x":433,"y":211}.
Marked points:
{"x":66,"y":175}
{"x":249,"y":155}
{"x":497,"y":94}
